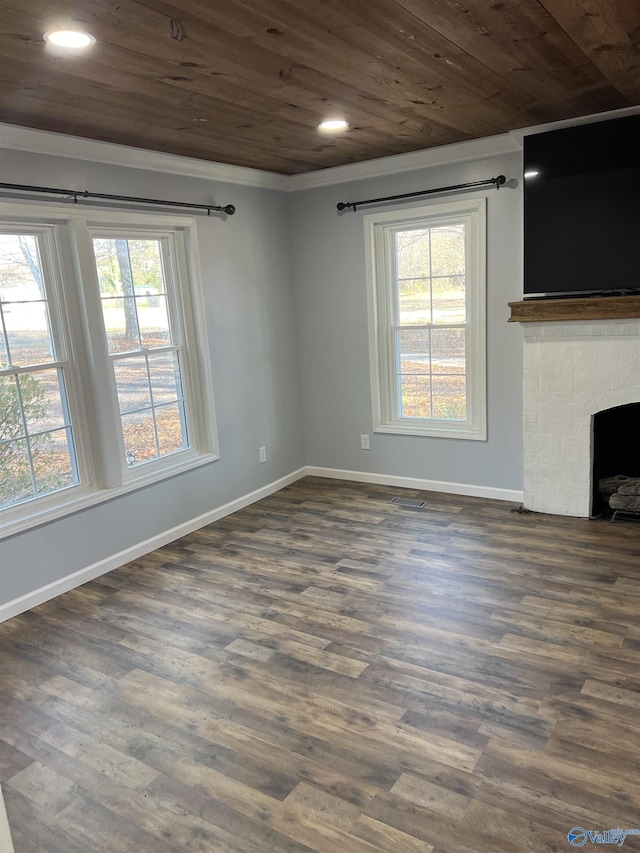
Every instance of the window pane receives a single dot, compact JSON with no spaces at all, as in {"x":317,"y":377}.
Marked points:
{"x":107,"y":267}
{"x":36,"y":398}
{"x":121,"y":324}
{"x":132,"y":288}
{"x":412,"y":253}
{"x":447,"y":250}
{"x":154,"y":321}
{"x":15,"y":473}
{"x":449,"y":397}
{"x":415,"y":392}
{"x":11,"y":422}
{"x":171,"y":435}
{"x":449,"y":296}
{"x":414,"y":351}
{"x":24,"y":306}
{"x":128,"y":267}
{"x":139,"y":435}
{"x":52,"y":461}
{"x":414,"y":297}
{"x":448,"y":350}
{"x":146,"y":267}
{"x":42,"y":398}
{"x":132,"y":383}
{"x":20,"y":268}
{"x":165,"y":378}
{"x":28,"y":334}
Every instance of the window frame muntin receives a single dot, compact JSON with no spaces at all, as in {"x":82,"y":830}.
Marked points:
{"x":380,"y":281}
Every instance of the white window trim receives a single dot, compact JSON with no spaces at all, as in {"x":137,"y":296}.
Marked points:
{"x":378,"y":227}
{"x":103,"y":473}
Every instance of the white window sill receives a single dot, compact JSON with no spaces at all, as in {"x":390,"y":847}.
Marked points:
{"x":23,"y":517}
{"x":462,"y":431}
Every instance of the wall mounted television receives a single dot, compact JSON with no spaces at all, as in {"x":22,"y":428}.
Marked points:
{"x":582,"y":210}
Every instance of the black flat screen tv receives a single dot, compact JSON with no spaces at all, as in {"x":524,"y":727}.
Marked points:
{"x":582,"y":210}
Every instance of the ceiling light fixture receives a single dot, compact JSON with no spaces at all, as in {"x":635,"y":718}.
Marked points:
{"x":531,"y":174}
{"x":69,"y":38}
{"x":333,"y":125}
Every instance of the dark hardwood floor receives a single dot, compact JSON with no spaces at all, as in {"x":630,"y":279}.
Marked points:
{"x":325,"y":671}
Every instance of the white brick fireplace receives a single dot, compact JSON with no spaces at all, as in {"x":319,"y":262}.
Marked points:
{"x":572,"y":370}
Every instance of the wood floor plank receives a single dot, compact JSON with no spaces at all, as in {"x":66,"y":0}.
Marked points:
{"x":324,"y":671}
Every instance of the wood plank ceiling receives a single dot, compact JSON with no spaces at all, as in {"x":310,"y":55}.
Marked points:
{"x":246,"y":82}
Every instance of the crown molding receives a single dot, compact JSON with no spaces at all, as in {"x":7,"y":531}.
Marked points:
{"x":519,"y":134}
{"x":109,"y":153}
{"x":473,"y":149}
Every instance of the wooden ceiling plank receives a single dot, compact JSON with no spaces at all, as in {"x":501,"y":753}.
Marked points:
{"x":597,"y":95}
{"x":202,"y":105}
{"x":369,"y":30}
{"x":154,"y":39}
{"x":149,"y":33}
{"x":315,"y":42}
{"x":132,"y":71}
{"x":49,"y":115}
{"x":372,"y":23}
{"x":365,"y":143}
{"x":627,"y":13}
{"x":329,"y":40}
{"x":66,"y":97}
{"x":596,"y":30}
{"x":569,"y":106}
{"x":220,"y":146}
{"x":516,"y":39}
{"x":154,"y":116}
{"x":351,"y":68}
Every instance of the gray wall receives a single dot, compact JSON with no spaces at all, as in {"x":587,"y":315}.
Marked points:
{"x":331,"y":309}
{"x":253,"y":345}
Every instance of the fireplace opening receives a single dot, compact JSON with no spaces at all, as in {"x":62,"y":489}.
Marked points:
{"x":616,"y":457}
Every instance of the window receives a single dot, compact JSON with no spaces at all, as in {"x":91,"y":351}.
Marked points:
{"x":426,"y":287}
{"x":37,"y":454}
{"x":104,"y":377}
{"x":144,"y":345}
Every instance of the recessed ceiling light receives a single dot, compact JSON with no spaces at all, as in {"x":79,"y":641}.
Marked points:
{"x":333,"y":125}
{"x":531,"y":174}
{"x":69,"y":38}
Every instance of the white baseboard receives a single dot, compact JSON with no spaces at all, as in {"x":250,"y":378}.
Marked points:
{"x":422,"y":485}
{"x":51,"y":590}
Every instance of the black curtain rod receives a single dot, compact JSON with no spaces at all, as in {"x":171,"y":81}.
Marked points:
{"x":229,"y":209}
{"x":494,"y":182}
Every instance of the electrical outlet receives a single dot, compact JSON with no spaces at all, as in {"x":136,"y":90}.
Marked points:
{"x":262,"y":454}
{"x":364,"y":442}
